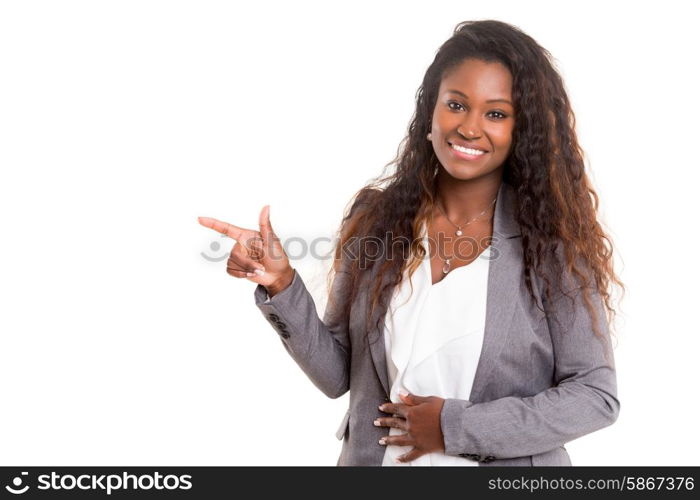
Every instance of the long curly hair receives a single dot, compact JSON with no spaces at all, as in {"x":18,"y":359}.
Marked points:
{"x":556,"y":204}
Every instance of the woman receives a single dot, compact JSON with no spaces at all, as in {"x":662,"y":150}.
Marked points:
{"x":485,"y":341}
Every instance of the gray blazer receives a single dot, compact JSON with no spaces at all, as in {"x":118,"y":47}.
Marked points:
{"x":538,"y":385}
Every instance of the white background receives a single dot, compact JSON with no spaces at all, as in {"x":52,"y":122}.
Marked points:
{"x":121,"y":122}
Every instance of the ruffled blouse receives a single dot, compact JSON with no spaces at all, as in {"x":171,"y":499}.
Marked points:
{"x":433,"y":339}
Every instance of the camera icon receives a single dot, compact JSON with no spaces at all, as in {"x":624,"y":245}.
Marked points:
{"x":215,"y":246}
{"x":17,"y":483}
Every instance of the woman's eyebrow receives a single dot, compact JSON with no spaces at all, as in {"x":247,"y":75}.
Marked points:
{"x":500,"y":99}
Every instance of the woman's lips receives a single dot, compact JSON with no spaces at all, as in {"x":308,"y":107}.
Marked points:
{"x":466,"y":156}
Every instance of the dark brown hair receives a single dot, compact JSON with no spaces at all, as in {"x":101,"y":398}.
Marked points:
{"x":556,"y":204}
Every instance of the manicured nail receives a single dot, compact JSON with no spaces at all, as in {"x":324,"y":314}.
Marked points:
{"x":259,"y":272}
{"x":249,"y":274}
{"x":381,"y":407}
{"x":382,"y":441}
{"x":377,"y":423}
{"x":397,"y":461}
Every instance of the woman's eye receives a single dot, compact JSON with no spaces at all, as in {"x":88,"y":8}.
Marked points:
{"x":500,"y":116}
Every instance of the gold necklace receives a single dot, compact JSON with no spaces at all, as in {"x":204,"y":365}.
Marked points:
{"x":447,"y":265}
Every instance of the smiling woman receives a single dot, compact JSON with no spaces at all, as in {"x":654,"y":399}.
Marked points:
{"x":473,"y":132}
{"x":510,"y":358}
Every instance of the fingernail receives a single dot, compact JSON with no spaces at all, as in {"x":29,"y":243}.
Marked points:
{"x":259,"y":272}
{"x":382,"y":441}
{"x":397,"y":461}
{"x":249,"y":274}
{"x":403,"y":393}
{"x":377,"y":423}
{"x":381,"y":407}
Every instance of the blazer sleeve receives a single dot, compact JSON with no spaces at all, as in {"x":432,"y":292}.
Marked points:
{"x":321,"y":347}
{"x":583,"y":400}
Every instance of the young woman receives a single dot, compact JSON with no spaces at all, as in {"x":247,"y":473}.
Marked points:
{"x":482,"y":337}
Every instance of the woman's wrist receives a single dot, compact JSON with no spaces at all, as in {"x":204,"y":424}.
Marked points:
{"x":281,"y":284}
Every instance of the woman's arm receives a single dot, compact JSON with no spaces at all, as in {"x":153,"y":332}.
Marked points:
{"x":584,"y":399}
{"x":320,"y":347}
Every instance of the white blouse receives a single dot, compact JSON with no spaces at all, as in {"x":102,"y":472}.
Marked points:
{"x":433,"y":340}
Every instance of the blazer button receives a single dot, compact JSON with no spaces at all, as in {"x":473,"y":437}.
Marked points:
{"x":284,"y":335}
{"x":281,"y":325}
{"x":490,"y":458}
{"x":273,"y":317}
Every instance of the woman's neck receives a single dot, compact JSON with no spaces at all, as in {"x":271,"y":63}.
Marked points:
{"x":461,"y":201}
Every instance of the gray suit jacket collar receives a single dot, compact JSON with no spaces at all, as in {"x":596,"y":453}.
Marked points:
{"x":505,"y":269}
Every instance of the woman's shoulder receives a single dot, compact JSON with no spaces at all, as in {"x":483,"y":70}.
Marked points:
{"x":364,"y":198}
{"x":354,"y":222}
{"x":362,"y":203}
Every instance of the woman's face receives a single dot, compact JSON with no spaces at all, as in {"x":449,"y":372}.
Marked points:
{"x":474,"y":109}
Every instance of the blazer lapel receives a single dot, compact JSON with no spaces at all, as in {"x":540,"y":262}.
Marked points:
{"x":505,"y":269}
{"x":377,"y":348}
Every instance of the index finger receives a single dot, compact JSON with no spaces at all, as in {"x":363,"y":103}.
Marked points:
{"x":394,"y":408}
{"x":234,"y":232}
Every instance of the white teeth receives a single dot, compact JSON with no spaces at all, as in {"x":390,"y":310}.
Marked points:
{"x":469,"y":151}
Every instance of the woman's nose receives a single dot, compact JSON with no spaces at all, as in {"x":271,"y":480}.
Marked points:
{"x":470,"y":127}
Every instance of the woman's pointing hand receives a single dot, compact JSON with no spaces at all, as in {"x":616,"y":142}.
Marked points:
{"x":255,"y":250}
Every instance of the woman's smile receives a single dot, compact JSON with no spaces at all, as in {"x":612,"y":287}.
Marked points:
{"x":468,"y":154}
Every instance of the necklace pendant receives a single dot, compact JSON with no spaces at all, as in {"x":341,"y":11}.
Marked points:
{"x":458,"y":232}
{"x":446,"y":267}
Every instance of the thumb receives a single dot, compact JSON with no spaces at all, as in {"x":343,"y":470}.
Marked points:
{"x":266,"y":231}
{"x":411,"y":399}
